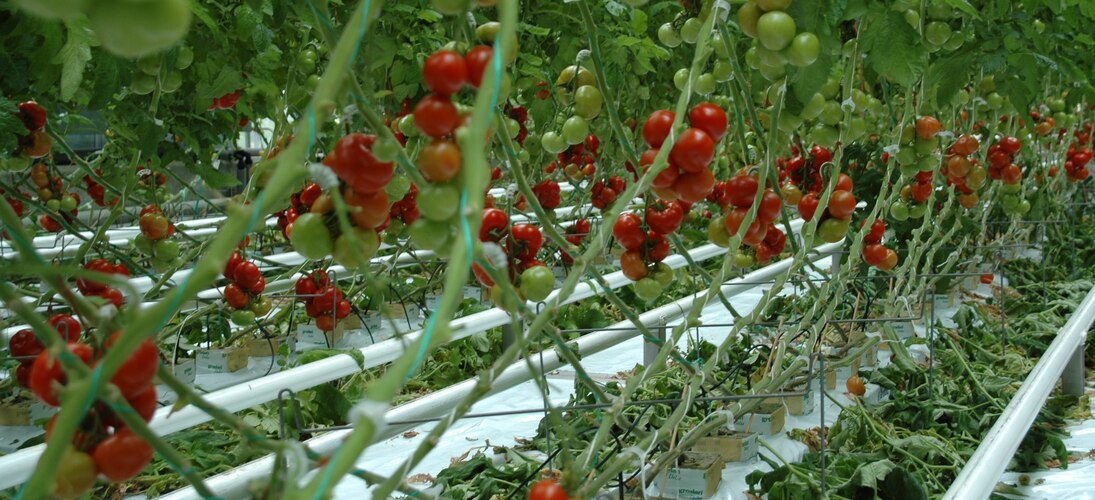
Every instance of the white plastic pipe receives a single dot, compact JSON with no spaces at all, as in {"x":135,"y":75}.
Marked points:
{"x":981,"y":473}
{"x":234,"y":483}
{"x":18,"y":466}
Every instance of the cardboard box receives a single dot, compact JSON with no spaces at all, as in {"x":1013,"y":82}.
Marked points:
{"x":16,"y":414}
{"x":766,"y":419}
{"x":698,"y":477}
{"x":259,"y":348}
{"x":796,"y":405}
{"x":731,"y":446}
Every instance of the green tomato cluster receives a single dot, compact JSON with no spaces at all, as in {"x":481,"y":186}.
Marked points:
{"x":778,"y":41}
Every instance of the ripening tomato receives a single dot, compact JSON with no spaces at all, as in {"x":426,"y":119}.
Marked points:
{"x":843,"y":183}
{"x":138,"y":369}
{"x":354,"y":162}
{"x":890,"y":261}
{"x":841,"y":204}
{"x":874,"y":254}
{"x":856,"y":386}
{"x":47,"y":377}
{"x":927,"y":127}
{"x":36,"y":144}
{"x":368,"y":211}
{"x":770,"y":205}
{"x":709,"y":118}
{"x":439,"y":161}
{"x":154,"y":226}
{"x":122,"y":456}
{"x":631,"y":262}
{"x":436,"y":116}
{"x":965,"y":145}
{"x":1010,"y":145}
{"x":1012,"y":174}
{"x":657,"y":126}
{"x":444,"y":72}
{"x":66,"y":325}
{"x":235,"y":297}
{"x":693,"y":150}
{"x":733,"y":220}
{"x":808,"y":205}
{"x":921,"y":191}
{"x":628,"y":231}
{"x":76,"y":474}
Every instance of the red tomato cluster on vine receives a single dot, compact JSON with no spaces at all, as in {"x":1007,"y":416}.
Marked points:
{"x":964,"y":173}
{"x":835,"y":217}
{"x":643,"y":247}
{"x":323,"y":300}
{"x":97,"y":192}
{"x":520,"y":243}
{"x":687,"y":177}
{"x":1001,"y":156}
{"x":605,"y":191}
{"x":102,"y":444}
{"x":520,"y":115}
{"x":1076,"y":160}
{"x":579,"y":160}
{"x":803,"y":173}
{"x":243,"y":293}
{"x":736,"y":196}
{"x":874,"y":252}
{"x":36,"y":143}
{"x":574,"y":234}
{"x":406,"y":208}
{"x":548,"y":194}
{"x":90,"y":287}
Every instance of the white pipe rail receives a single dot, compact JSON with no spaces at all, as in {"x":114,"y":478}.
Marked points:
{"x":234,"y":483}
{"x":981,"y":473}
{"x":18,"y":466}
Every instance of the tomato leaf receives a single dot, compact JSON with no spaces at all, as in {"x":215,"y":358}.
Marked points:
{"x":949,"y":75}
{"x":74,"y":56}
{"x":894,"y":49}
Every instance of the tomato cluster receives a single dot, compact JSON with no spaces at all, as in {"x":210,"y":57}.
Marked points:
{"x":97,"y":192}
{"x":403,"y":212}
{"x":579,"y":160}
{"x":778,"y":41}
{"x":155,"y":238}
{"x":802,"y":173}
{"x":520,"y":244}
{"x":736,"y":196}
{"x":1076,"y":160}
{"x":102,"y":444}
{"x":25,"y":346}
{"x":604,"y":192}
{"x":578,"y":86}
{"x":547,"y":193}
{"x":36,"y":143}
{"x":1001,"y":156}
{"x":833,"y":224}
{"x":244,"y":292}
{"x":323,"y":300}
{"x":964,"y":173}
{"x":49,"y":189}
{"x":874,"y":252}
{"x":644,"y":251}
{"x":574,"y":235}
{"x":90,"y":287}
{"x":687,"y":177}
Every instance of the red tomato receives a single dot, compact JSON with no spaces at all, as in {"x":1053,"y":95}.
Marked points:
{"x":1010,"y":145}
{"x":47,"y":377}
{"x":354,"y":163}
{"x":965,"y":145}
{"x":775,"y":239}
{"x":921,"y":191}
{"x":122,"y":456}
{"x":693,"y":150}
{"x":693,"y":187}
{"x":32,"y":114}
{"x":138,"y":369}
{"x":246,"y":274}
{"x":874,"y":254}
{"x":808,"y":205}
{"x":710,"y":118}
{"x":493,"y":227}
{"x":444,"y":72}
{"x":628,"y":231}
{"x":368,"y":211}
{"x":24,"y":344}
{"x":439,"y":161}
{"x":656,"y":127}
{"x":631,"y":262}
{"x":546,"y":489}
{"x":66,"y":325}
{"x":878,"y":229}
{"x":843,"y":183}
{"x":1012,"y":174}
{"x":525,"y":241}
{"x":234,"y":259}
{"x":927,"y":127}
{"x":770,"y":205}
{"x":436,"y":116}
{"x":235,"y":296}
{"x":476,"y":60}
{"x":741,"y":190}
{"x":664,"y":217}
{"x":841,"y":204}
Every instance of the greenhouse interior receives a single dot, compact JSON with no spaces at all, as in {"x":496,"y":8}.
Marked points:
{"x":547,"y":249}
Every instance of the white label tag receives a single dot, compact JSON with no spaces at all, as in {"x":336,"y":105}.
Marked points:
{"x":185,"y":371}
{"x":213,"y":361}
{"x":904,"y":329}
{"x":433,"y":301}
{"x":473,"y":292}
{"x":311,"y":334}
{"x":373,"y":321}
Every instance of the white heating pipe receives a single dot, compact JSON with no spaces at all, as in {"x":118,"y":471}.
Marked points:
{"x":981,"y":473}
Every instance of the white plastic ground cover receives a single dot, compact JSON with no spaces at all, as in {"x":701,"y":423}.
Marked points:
{"x":1078,"y":480}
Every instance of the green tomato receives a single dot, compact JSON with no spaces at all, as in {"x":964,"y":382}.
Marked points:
{"x":133,"y":29}
{"x":663,"y":274}
{"x":53,"y":9}
{"x":814,"y":107}
{"x":751,"y":58}
{"x":705,"y":84}
{"x":487,"y":31}
{"x":788,"y":122}
{"x":1056,"y":105}
{"x":523,"y":155}
{"x":310,"y":237}
{"x":824,"y":135}
{"x":937,"y":33}
{"x":996,"y":101}
{"x":1011,"y":188}
{"x":722,"y":71}
{"x":430,"y":235}
{"x":719,"y":45}
{"x":184,"y":58}
{"x":575,"y":130}
{"x":918,"y":210}
{"x":438,"y":202}
{"x":1039,"y":26}
{"x":142,"y":244}
{"x":832,"y":230}
{"x":803,"y":50}
{"x":925,"y":147}
{"x":955,"y":41}
{"x":15,"y":163}
{"x":690,"y":30}
{"x":830,"y":88}
{"x":171,"y":81}
{"x":716,"y":232}
{"x":647,"y":289}
{"x":680,"y":79}
{"x":537,"y":282}
{"x":899,"y":210}
{"x":356,"y":257}
{"x":771,"y":58}
{"x":913,"y":18}
{"x":553,"y":143}
{"x":68,"y":203}
{"x":668,"y":36}
{"x":142,"y":84}
{"x":587,"y":102}
{"x":987,"y":84}
{"x":243,"y":317}
{"x":407,"y":126}
{"x":261,"y":305}
{"x":772,"y":73}
{"x":909,"y":169}
{"x":775,"y":30}
{"x":857,"y":128}
{"x":940,"y":10}
{"x":386,"y":150}
{"x":1023,"y":208}
{"x":166,"y":250}
{"x":743,"y":260}
{"x":150,"y":65}
{"x":831,"y":115}
{"x":306,"y":61}
{"x":53,"y":204}
{"x":748,"y":16}
{"x":397,"y":187}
